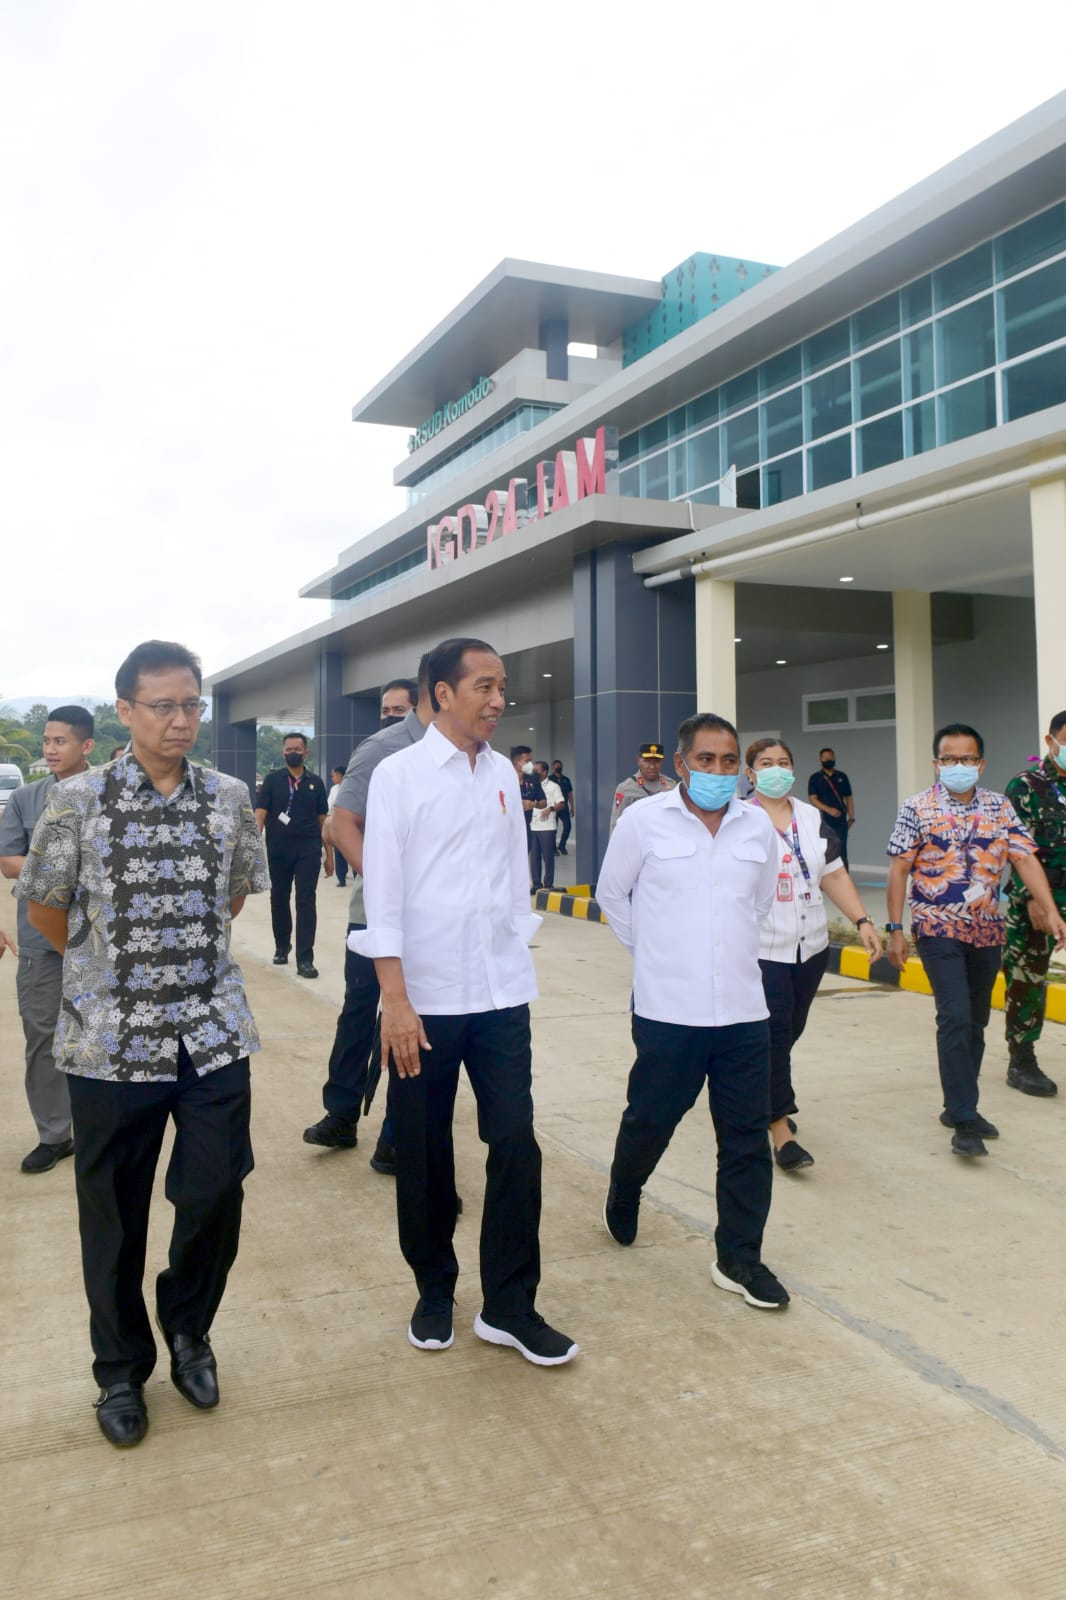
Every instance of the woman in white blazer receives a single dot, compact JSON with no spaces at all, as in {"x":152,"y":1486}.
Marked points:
{"x":794,"y":938}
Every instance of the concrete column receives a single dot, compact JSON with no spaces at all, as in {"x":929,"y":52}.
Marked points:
{"x":554,"y":338}
{"x":634,"y":679}
{"x":233,"y":743}
{"x":341,"y":720}
{"x":912,"y":635}
{"x":716,"y":652}
{"x":1047,"y":516}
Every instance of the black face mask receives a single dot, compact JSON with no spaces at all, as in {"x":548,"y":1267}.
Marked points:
{"x":828,"y":765}
{"x":387,"y":722}
{"x":293,"y":758}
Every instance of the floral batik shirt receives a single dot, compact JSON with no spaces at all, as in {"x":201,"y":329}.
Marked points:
{"x":146,"y":883}
{"x":958,"y":853}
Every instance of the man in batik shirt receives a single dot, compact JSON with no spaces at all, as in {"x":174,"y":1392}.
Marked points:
{"x":135,"y":872}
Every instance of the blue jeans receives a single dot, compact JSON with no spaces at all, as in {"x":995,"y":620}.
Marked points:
{"x":961,"y":976}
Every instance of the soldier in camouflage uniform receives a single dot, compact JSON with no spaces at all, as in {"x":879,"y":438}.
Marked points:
{"x":1039,"y":798}
{"x":647,"y":779}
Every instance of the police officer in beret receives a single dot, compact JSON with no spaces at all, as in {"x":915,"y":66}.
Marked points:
{"x":648,"y":779}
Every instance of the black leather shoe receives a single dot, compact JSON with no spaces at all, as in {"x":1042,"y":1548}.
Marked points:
{"x":192,"y":1367}
{"x":44,"y":1158}
{"x":281,"y":958}
{"x":307,"y":969}
{"x":122,"y":1414}
{"x":384,"y":1159}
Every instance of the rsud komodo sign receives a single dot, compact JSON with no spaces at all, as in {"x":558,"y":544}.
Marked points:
{"x":590,"y":468}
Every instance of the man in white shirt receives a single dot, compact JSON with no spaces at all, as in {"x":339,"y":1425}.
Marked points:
{"x":685,"y":882}
{"x":448,"y":928}
{"x":543,"y":822}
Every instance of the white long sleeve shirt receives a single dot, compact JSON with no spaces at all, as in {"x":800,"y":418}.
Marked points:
{"x":446,"y":878}
{"x":689,"y":906}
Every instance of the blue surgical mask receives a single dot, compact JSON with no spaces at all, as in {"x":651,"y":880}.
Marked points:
{"x":774,"y":782}
{"x":956,"y":778}
{"x":710,"y":790}
{"x":1060,"y":755}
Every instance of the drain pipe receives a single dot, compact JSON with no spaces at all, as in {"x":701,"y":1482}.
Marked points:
{"x":874,"y":519}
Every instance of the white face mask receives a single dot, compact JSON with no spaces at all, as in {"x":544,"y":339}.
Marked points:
{"x":527,"y":768}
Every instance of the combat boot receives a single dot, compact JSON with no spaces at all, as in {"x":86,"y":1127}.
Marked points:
{"x":1023,"y":1072}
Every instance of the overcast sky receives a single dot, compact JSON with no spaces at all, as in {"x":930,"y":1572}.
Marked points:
{"x":221,"y":223}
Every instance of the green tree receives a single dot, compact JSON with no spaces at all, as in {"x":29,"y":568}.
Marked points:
{"x":36,"y":717}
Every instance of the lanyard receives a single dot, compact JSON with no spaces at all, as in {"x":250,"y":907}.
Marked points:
{"x":293,"y":787}
{"x":796,"y":851}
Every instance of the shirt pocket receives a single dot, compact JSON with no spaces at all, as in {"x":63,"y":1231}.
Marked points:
{"x":749,"y":850}
{"x":673,"y":862}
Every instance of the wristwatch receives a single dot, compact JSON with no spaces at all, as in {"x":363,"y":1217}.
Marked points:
{"x":893,"y":927}
{"x":860,"y":920}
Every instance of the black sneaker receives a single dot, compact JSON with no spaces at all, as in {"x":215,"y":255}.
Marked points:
{"x":530,"y":1335}
{"x":967,"y":1141}
{"x":44,"y":1158}
{"x":384,"y":1159}
{"x":1025,"y":1074}
{"x":431,"y":1324}
{"x":792,"y":1157}
{"x":981,"y":1125}
{"x":621,"y":1215}
{"x":281,"y":958}
{"x":756,"y":1283}
{"x":336,"y":1133}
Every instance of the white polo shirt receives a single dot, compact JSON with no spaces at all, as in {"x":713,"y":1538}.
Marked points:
{"x":446,"y":878}
{"x":689,"y":907}
{"x":553,"y":795}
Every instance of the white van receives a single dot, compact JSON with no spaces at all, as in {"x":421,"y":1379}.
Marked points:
{"x":10,"y":779}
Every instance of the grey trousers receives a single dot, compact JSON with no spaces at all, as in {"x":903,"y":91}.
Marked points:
{"x":40,"y":986}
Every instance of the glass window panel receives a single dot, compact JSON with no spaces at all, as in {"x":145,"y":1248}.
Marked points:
{"x":656,"y":477}
{"x":676,"y":423}
{"x":742,"y":440}
{"x":629,"y":481}
{"x":918,"y":361}
{"x":1034,"y":310}
{"x":875,"y":322}
{"x":920,"y":428}
{"x":678,"y":478}
{"x":829,"y":463}
{"x":707,"y":496}
{"x":628,"y":447}
{"x":878,"y":381}
{"x":822,"y":349}
{"x":783,"y":480}
{"x":653,"y":435}
{"x":966,"y":341}
{"x":959,"y":279}
{"x":705,"y":409}
{"x":1032,"y":241}
{"x":879,"y":707}
{"x":969,"y":409}
{"x":748,"y":498}
{"x":830,"y":711}
{"x":784,"y":422}
{"x":916,"y":301}
{"x":780,"y":371}
{"x":829,"y":397}
{"x":1034,"y":385}
{"x":740,"y":391}
{"x":881,"y":442}
{"x":703,"y":465}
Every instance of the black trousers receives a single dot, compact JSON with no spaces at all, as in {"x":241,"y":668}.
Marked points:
{"x":566,"y":824}
{"x":299,"y":866}
{"x":118,"y":1131}
{"x":542,"y":857}
{"x":790,"y":988}
{"x":673,"y":1063}
{"x":340,"y":867}
{"x":494,"y":1046}
{"x":342,"y":1092}
{"x":961,"y":977}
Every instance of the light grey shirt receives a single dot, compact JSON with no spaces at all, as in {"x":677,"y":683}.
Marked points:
{"x":16,"y":830}
{"x":355,"y":785}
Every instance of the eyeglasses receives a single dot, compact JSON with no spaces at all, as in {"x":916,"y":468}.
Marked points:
{"x":167,"y":710}
{"x":959,"y":761}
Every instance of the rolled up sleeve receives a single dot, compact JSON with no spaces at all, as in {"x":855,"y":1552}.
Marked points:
{"x":383,"y":872}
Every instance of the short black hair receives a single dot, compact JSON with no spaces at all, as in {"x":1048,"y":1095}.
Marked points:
{"x":78,"y":720}
{"x":407,"y":684}
{"x":154,"y":655}
{"x":423,"y":672}
{"x":540,"y":762}
{"x":341,"y":770}
{"x":445,"y":663}
{"x":959,"y":730}
{"x":521,"y":750}
{"x":295,"y":735}
{"x":826,"y":747}
{"x":1058,"y":722}
{"x":703,"y":719}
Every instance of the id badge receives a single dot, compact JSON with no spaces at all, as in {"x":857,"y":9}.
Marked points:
{"x":974,"y":892}
{"x":284,"y":818}
{"x":784,"y":886}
